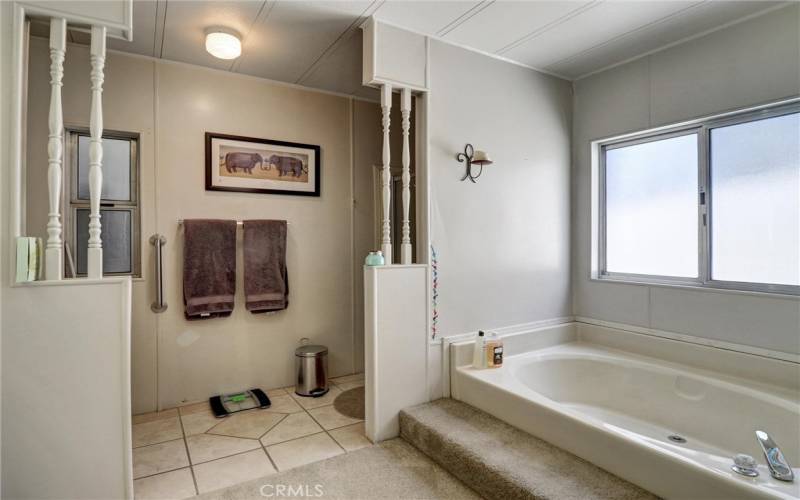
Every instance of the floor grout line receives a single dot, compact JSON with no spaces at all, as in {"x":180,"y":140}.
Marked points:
{"x":163,"y":472}
{"x":269,"y":457}
{"x":296,"y":439}
{"x":188,"y":457}
{"x":227,"y":456}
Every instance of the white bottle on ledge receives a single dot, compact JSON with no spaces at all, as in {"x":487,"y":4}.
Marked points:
{"x":478,"y":355}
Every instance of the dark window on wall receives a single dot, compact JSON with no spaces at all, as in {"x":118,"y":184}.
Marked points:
{"x":715,"y":203}
{"x":119,"y":205}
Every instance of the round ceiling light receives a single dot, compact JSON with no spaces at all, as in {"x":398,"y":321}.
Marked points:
{"x":223,"y":44}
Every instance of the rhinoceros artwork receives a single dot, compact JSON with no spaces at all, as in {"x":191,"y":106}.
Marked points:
{"x":261,"y":165}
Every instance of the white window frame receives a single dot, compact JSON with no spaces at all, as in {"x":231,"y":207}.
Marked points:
{"x":74,"y":203}
{"x":702,"y":128}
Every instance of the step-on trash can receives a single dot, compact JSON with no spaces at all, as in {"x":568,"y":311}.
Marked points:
{"x":311,"y":362}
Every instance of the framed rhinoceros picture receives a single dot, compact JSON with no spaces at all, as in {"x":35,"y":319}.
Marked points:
{"x":250,"y":165}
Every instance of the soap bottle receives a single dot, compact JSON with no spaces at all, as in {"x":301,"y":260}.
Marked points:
{"x":493,"y":351}
{"x":478,"y":353}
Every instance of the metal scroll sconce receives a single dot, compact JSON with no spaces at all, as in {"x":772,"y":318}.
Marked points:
{"x":473,"y":157}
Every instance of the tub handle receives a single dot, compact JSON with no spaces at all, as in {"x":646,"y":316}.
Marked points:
{"x":778,"y":466}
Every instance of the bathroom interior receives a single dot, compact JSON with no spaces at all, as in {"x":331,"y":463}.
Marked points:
{"x":400,"y":249}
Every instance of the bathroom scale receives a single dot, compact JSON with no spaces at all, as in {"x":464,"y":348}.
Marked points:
{"x":224,"y":405}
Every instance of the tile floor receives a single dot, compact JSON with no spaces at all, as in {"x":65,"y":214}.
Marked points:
{"x":185,"y":451}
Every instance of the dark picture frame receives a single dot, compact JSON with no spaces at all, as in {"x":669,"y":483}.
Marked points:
{"x":237,"y":163}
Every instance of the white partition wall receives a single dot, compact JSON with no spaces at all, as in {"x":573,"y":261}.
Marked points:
{"x":397,"y":306}
{"x":66,"y":390}
{"x":396,"y":345}
{"x":66,"y":414}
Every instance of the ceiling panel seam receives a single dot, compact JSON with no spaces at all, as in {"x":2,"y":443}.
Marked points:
{"x":547,"y":27}
{"x":163,"y":29}
{"x":613,"y":39}
{"x":356,"y":24}
{"x":455,"y":23}
{"x":686,"y":39}
{"x":261,"y":16}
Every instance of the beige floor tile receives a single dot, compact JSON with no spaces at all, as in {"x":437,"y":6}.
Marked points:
{"x":198,"y":423}
{"x":356,"y":377}
{"x":278,"y":391}
{"x":303,"y":451}
{"x":158,"y":458}
{"x":329,"y":418}
{"x":155,"y":415}
{"x":168,"y":486}
{"x":346,"y":386}
{"x":202,"y":406}
{"x":205,"y":447}
{"x":283,"y":404}
{"x":247,"y":424}
{"x":232,"y":470}
{"x":156,"y":431}
{"x":292,"y":427}
{"x":352,"y":437}
{"x":327,"y":399}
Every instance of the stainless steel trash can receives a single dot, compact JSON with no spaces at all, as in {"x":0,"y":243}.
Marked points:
{"x":311,"y":362}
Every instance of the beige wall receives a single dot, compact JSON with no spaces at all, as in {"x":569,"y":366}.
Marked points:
{"x":750,"y":63}
{"x":172,"y":106}
{"x":502,"y":243}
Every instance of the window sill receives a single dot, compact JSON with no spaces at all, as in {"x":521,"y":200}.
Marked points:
{"x":696,"y":288}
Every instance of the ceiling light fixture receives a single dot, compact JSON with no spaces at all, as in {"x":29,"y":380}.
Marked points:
{"x":223,"y":43}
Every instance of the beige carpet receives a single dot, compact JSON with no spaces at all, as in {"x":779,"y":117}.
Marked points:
{"x":501,"y":461}
{"x":391,"y":470}
{"x":351,"y":403}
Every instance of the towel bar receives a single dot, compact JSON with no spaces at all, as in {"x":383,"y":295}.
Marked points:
{"x":238,"y":222}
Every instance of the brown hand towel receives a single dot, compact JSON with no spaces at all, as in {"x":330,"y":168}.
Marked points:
{"x":266,"y":281}
{"x":209,"y":267}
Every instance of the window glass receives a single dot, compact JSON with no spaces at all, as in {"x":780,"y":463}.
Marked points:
{"x":755,"y":202}
{"x":116,"y":169}
{"x":117,"y":236}
{"x":651,"y":208}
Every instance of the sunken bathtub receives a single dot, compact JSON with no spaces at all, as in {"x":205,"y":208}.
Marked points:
{"x":664,"y":414}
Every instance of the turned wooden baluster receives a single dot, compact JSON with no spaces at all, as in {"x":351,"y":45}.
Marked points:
{"x":98,"y":58}
{"x":386,"y":107}
{"x":405,"y":108}
{"x":54,"y":260}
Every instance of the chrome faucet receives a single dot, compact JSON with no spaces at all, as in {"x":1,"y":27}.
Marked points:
{"x":778,"y":466}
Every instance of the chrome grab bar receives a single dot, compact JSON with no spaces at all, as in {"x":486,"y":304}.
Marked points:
{"x":159,"y":305}
{"x":776,"y":462}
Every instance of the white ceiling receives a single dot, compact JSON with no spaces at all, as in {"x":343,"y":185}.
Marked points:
{"x":318,"y":43}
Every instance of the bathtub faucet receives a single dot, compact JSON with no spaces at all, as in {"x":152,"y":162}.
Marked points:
{"x":778,"y":466}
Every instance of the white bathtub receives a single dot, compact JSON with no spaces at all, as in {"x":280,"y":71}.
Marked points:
{"x":616,"y":408}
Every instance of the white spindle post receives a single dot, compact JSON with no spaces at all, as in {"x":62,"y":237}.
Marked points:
{"x":405,"y":108}
{"x":54,"y":261}
{"x":386,"y":107}
{"x":98,"y":58}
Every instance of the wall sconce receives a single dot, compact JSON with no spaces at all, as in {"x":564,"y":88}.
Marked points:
{"x":472,"y":157}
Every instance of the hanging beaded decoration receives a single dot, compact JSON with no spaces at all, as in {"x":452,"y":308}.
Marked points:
{"x":435,"y":294}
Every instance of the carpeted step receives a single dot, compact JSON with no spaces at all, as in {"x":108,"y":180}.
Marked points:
{"x":501,"y":461}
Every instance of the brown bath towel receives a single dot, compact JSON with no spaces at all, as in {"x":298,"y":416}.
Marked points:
{"x":266,"y":281}
{"x":209,"y":267}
